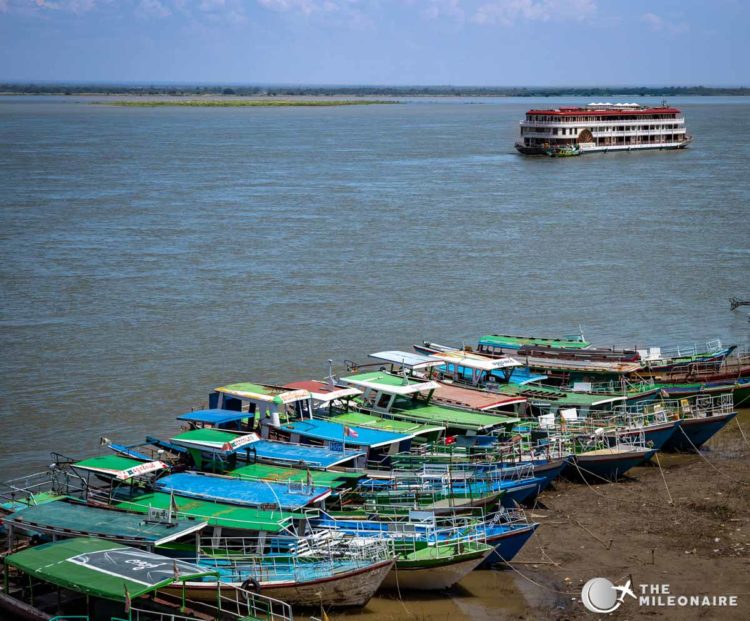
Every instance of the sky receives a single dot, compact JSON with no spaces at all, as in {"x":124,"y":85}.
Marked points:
{"x":393,"y":42}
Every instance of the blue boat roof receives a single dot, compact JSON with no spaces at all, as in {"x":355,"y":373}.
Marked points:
{"x":215,"y":416}
{"x":293,"y":454}
{"x":244,"y":492}
{"x":331,"y":431}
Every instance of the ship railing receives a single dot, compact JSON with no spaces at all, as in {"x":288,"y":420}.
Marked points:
{"x":142,"y":614}
{"x":697,"y":406}
{"x":679,"y":120}
{"x":320,"y":544}
{"x":247,"y":604}
{"x":619,"y":387}
{"x":23,"y":490}
{"x":233,"y":602}
{"x":415,"y":535}
{"x":694,"y":349}
{"x":695,"y":371}
{"x":596,"y":433}
{"x":350,"y":553}
{"x":479,"y":471}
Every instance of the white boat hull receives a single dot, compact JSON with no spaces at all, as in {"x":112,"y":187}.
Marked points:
{"x":432,"y":578}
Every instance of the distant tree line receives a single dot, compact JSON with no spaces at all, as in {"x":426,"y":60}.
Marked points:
{"x":39,"y":88}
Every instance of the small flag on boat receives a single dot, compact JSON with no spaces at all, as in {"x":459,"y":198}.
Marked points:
{"x":127,"y":598}
{"x":450,"y":439}
{"x":352,"y":433}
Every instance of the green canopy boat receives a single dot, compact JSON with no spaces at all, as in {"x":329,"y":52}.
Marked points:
{"x":96,"y":579}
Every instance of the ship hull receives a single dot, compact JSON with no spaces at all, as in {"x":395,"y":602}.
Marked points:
{"x":507,"y":545}
{"x":432,"y":578}
{"x":353,"y":588}
{"x":696,"y":432}
{"x":596,"y":468}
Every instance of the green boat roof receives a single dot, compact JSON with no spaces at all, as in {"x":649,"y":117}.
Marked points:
{"x":119,"y":467}
{"x":102,"y":568}
{"x":69,"y":518}
{"x":450,"y":417}
{"x":386,"y":424}
{"x":260,"y":392}
{"x":216,"y":514}
{"x":206,"y":435}
{"x":268,"y":472}
{"x":535,"y":393}
{"x":503,"y":340}
{"x":381,"y":377}
{"x":389,"y":383}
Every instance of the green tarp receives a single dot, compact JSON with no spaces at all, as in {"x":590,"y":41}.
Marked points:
{"x":102,"y":568}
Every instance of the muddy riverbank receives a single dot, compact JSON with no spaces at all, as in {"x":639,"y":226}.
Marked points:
{"x":684,"y":522}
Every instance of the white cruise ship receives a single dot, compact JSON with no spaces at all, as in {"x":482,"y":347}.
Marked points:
{"x":602,"y":127}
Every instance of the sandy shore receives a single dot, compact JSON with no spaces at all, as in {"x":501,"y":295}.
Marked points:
{"x":698,"y":543}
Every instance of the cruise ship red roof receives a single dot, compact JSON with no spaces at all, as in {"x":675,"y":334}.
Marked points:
{"x":604,"y":111}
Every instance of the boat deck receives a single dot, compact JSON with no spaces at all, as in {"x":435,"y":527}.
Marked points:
{"x":460,"y":396}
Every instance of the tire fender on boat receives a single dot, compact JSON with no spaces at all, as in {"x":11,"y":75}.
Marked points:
{"x":251,"y":584}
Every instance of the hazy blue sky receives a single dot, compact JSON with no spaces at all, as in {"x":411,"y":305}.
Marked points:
{"x":477,"y":42}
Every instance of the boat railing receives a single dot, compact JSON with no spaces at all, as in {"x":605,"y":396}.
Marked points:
{"x":697,"y":406}
{"x":142,"y":614}
{"x":25,"y":490}
{"x":339,"y":553}
{"x":618,"y":387}
{"x":232,"y":602}
{"x":694,"y":349}
{"x":248,"y":604}
{"x":446,"y":529}
{"x":321,"y":544}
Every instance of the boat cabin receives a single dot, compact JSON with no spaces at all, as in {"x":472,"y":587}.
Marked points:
{"x":410,"y":398}
{"x":264,"y":404}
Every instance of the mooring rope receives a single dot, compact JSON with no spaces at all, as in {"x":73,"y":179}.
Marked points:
{"x":704,"y":458}
{"x":742,"y":431}
{"x":661,"y":471}
{"x":534,"y":582}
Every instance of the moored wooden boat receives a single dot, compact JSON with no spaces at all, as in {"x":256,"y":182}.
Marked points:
{"x":436,"y":567}
{"x":84,"y":578}
{"x":701,"y":418}
{"x":346,"y":587}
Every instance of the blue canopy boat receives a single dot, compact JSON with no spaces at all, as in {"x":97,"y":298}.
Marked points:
{"x":230,"y":490}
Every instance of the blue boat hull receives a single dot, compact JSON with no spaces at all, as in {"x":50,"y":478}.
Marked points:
{"x":549,"y":470}
{"x":655,"y":436}
{"x":507,"y":545}
{"x":698,"y":430}
{"x":595,"y":468}
{"x":523,"y":493}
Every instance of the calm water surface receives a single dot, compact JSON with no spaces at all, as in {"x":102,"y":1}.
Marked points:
{"x":149,"y":255}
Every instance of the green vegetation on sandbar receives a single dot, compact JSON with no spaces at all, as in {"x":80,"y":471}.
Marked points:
{"x":241,"y":103}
